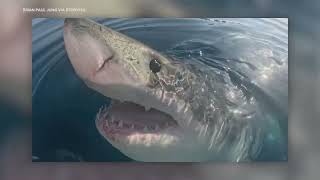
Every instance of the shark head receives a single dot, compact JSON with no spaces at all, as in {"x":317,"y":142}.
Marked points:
{"x":149,"y":119}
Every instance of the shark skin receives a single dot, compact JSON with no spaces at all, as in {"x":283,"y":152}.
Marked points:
{"x":162,"y":110}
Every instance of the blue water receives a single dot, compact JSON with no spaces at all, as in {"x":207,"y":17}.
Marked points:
{"x":254,"y":52}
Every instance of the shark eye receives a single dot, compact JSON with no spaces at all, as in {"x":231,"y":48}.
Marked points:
{"x":155,"y":65}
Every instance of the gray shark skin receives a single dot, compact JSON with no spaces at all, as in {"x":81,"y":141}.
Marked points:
{"x":163,"y":110}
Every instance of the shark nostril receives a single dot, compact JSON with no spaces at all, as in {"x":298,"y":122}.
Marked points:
{"x":66,"y":21}
{"x":70,"y":21}
{"x":104,"y":62}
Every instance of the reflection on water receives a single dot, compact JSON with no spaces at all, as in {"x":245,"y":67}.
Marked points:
{"x":253,"y":52}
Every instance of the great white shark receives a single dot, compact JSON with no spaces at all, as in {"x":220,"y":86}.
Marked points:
{"x":162,"y":110}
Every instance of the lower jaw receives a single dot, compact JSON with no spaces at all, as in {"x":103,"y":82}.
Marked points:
{"x":150,"y":147}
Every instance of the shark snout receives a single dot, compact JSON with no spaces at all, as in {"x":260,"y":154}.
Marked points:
{"x":88,"y":53}
{"x":70,"y":22}
{"x":77,"y":25}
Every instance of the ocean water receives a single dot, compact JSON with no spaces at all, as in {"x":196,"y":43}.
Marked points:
{"x":253,"y":52}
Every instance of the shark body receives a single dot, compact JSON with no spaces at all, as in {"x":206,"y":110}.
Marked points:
{"x":162,"y":110}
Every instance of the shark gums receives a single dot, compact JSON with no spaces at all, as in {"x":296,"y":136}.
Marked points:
{"x":162,"y":109}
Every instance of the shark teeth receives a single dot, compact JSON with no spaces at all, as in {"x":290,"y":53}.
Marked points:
{"x":170,"y":102}
{"x":111,"y":122}
{"x":120,"y":124}
{"x":103,"y":112}
{"x":147,"y":108}
{"x":167,"y":124}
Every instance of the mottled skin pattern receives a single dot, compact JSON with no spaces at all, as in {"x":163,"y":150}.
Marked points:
{"x":200,"y":99}
{"x":205,"y":92}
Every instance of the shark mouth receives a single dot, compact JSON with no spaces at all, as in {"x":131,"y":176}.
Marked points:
{"x":125,"y":120}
